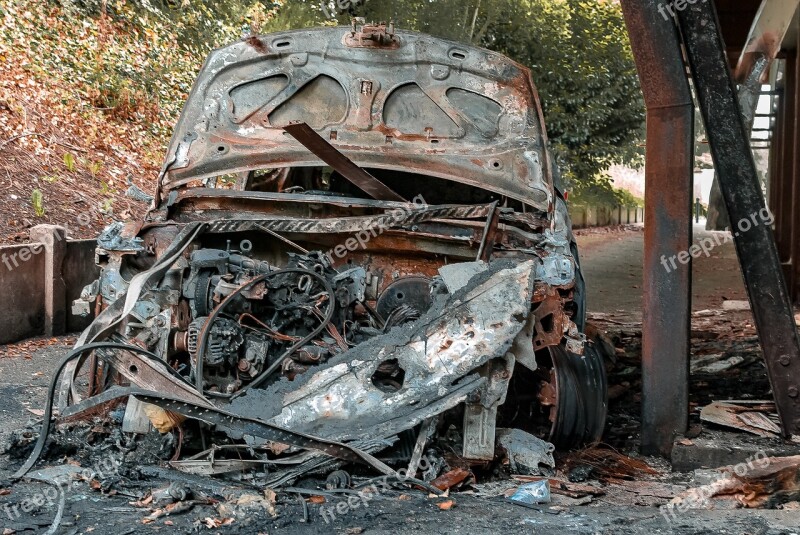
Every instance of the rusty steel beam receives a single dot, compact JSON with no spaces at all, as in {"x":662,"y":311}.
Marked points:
{"x":792,"y":268}
{"x":771,"y":23}
{"x":755,"y":242}
{"x":668,"y":224}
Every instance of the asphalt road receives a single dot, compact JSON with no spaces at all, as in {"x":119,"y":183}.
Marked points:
{"x":612,"y":267}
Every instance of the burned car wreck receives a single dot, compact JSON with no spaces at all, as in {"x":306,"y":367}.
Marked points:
{"x":355,"y":249}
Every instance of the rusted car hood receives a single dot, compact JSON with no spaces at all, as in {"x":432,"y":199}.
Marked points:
{"x":412,"y":102}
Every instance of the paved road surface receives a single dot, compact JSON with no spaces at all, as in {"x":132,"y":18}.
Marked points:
{"x":612,"y":266}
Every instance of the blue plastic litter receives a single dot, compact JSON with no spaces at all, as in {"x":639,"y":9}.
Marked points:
{"x":532,"y":493}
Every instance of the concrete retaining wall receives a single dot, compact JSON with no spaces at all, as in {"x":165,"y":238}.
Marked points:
{"x":604,"y":216}
{"x":39,"y":281}
{"x":22,"y":291}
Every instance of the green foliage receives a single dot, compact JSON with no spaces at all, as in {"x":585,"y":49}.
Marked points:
{"x":589,"y":89}
{"x":626,"y":198}
{"x":194,"y":24}
{"x":37,"y":201}
{"x":69,"y":162}
{"x":132,"y":63}
{"x":601,"y":192}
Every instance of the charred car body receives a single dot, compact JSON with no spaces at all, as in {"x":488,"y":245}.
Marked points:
{"x":355,"y":237}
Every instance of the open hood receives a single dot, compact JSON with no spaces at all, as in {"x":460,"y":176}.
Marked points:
{"x":385,"y":99}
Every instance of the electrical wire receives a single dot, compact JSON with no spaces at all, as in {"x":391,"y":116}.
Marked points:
{"x":48,"y":410}
{"x":206,"y":330}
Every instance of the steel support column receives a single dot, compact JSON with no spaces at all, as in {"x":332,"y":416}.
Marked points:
{"x":755,"y":243}
{"x":668,"y":224}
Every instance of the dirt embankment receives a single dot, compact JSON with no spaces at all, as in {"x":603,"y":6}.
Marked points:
{"x":83,"y":113}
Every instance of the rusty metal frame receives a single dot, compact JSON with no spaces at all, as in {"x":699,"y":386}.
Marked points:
{"x":326,"y":152}
{"x":668,"y":197}
{"x":764,"y":42}
{"x":758,"y":254}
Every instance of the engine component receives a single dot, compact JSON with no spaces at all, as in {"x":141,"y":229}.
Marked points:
{"x":311,"y":354}
{"x":224,"y":342}
{"x":255,"y":354}
{"x":258,"y":319}
{"x":411,"y":291}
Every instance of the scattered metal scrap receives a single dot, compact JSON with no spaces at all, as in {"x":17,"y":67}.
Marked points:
{"x":526,"y":453}
{"x":756,"y":417}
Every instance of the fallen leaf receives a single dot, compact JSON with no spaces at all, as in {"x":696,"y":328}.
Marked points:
{"x":143,"y":503}
{"x":212,"y":523}
{"x":316,"y":499}
{"x":5,"y":492}
{"x":446,"y":505}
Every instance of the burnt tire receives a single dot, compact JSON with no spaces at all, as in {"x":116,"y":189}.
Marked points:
{"x":581,"y":396}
